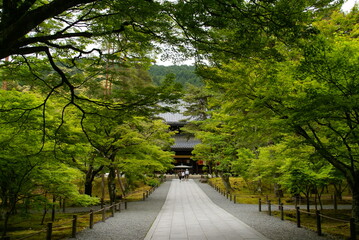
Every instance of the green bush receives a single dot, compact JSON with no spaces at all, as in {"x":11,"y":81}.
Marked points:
{"x":153,"y":182}
{"x":84,"y":200}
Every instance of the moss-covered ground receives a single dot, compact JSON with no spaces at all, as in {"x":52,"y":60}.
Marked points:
{"x":337,"y":229}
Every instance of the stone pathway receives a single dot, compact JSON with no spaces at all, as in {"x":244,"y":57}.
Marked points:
{"x":188,"y":213}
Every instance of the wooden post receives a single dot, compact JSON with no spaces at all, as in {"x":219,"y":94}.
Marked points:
{"x":234,"y":199}
{"x":119,"y":206}
{"x":112,"y":210}
{"x":74,"y":226}
{"x":230,"y":197}
{"x":335,"y":202}
{"x":353,"y":234}
{"x":281,"y":211}
{"x":319,"y":224}
{"x":260,"y":205}
{"x":143,"y":196}
{"x":103,"y":214}
{"x":269,"y":208}
{"x":298,"y":216}
{"x":91,"y":219}
{"x":49,"y":231}
{"x":125,"y":204}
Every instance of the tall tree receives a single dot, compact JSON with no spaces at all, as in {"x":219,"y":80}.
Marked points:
{"x":312,"y":94}
{"x":58,"y":45}
{"x":220,"y":31}
{"x":26,"y":140}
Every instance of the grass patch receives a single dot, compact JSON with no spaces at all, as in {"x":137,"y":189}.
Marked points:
{"x":24,"y":226}
{"x":334,"y":228}
{"x":245,"y":194}
{"x":137,"y":195}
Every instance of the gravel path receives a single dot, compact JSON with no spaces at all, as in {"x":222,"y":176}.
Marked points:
{"x":134,"y":223}
{"x":271,"y":227}
{"x":130,"y":224}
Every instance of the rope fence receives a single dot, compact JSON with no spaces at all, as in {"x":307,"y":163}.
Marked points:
{"x":281,"y":208}
{"x":73,"y":225}
{"x":319,"y":217}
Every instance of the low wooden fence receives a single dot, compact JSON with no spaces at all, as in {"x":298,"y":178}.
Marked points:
{"x":318,"y":216}
{"x":354,"y":227}
{"x":229,"y":196}
{"x":72,"y":224}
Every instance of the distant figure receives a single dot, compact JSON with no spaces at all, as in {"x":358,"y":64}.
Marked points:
{"x":179,"y":175}
{"x":186,"y":174}
{"x":183,"y":174}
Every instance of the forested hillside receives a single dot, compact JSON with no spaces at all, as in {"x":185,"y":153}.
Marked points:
{"x":184,"y":74}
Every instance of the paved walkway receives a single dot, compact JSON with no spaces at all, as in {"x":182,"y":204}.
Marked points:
{"x":188,"y":213}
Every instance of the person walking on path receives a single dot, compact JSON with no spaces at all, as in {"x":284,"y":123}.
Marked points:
{"x":189,"y":214}
{"x":183,"y":175}
{"x":179,"y":175}
{"x":186,"y":174}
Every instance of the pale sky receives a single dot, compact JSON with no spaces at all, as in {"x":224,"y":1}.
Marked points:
{"x":348,"y":5}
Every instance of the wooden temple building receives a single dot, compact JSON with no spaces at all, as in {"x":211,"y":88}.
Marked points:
{"x":183,"y":145}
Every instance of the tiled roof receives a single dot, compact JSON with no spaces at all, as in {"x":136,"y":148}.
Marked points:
{"x":185,"y":143}
{"x":176,"y":118}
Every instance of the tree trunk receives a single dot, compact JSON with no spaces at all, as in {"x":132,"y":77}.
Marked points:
{"x":3,"y":203}
{"x":226,"y":183}
{"x":122,"y":186}
{"x":53,"y":208}
{"x":9,"y":207}
{"x":44,"y":214}
{"x":88,"y":181}
{"x":339,"y":189}
{"x":102,"y":189}
{"x":6,"y":221}
{"x":112,"y":184}
{"x":210,"y":171}
{"x":320,"y":198}
{"x":90,"y":176}
{"x":355,"y":204}
{"x":278,"y":190}
{"x":308,"y":202}
{"x":259,"y":187}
